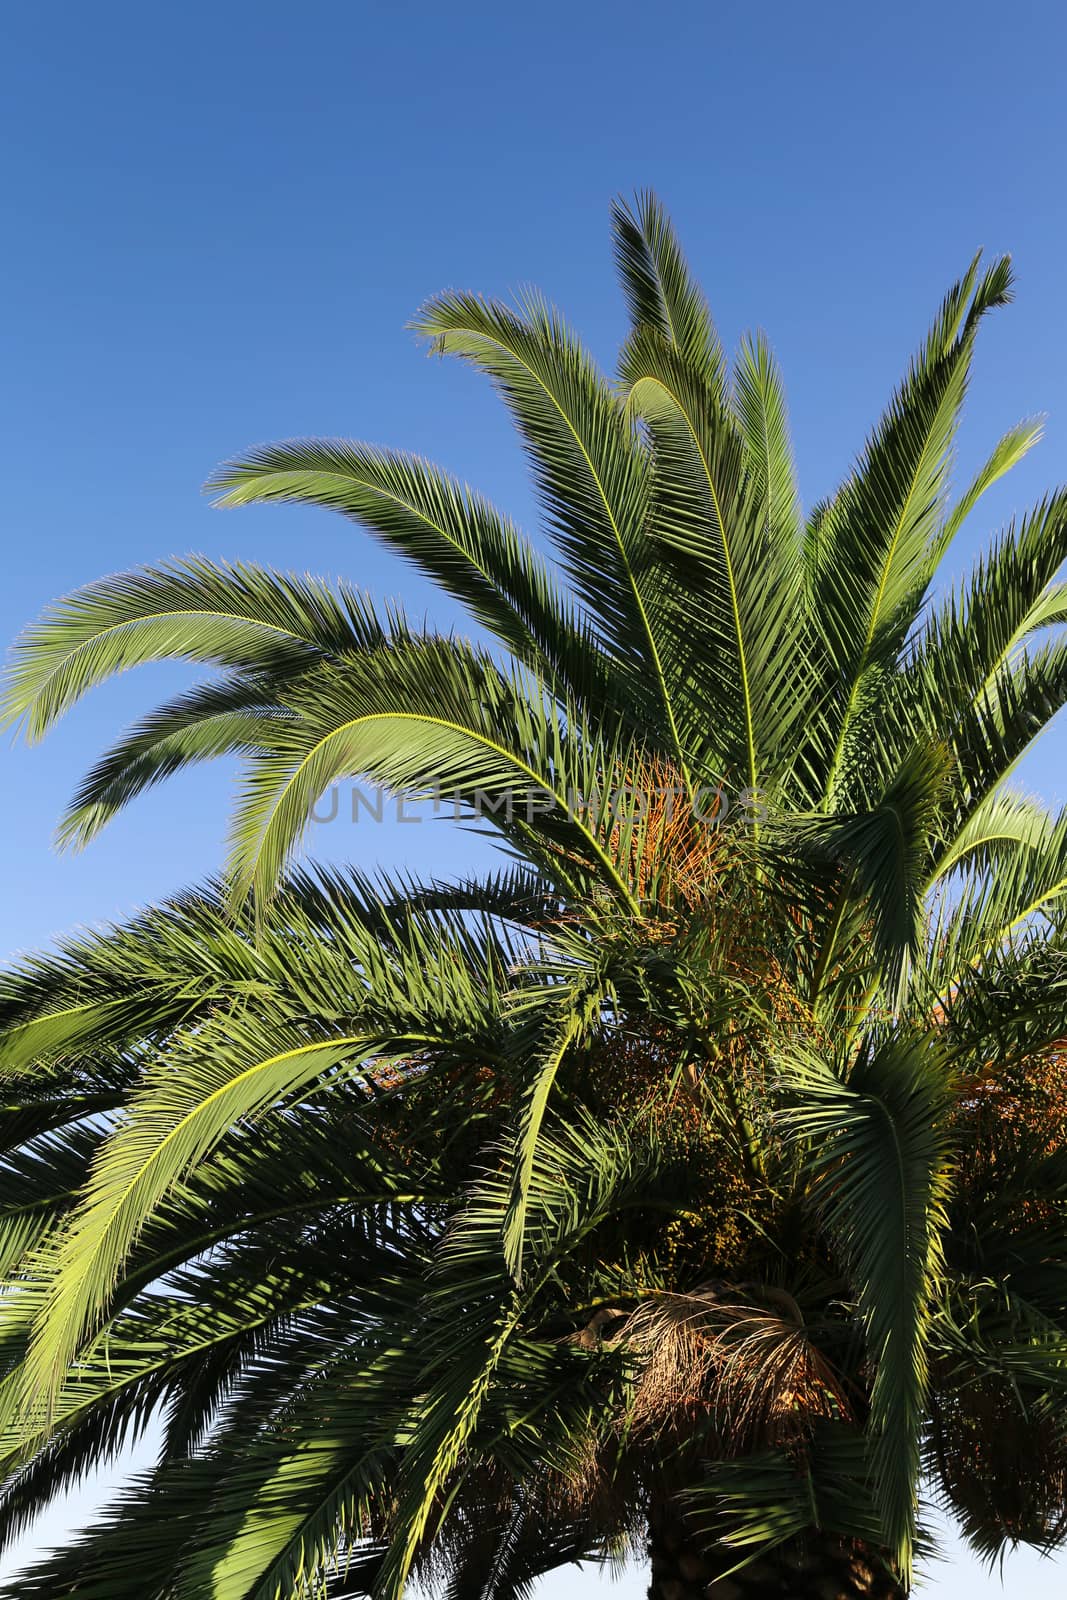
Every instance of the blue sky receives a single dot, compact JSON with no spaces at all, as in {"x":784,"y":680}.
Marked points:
{"x":218,"y":220}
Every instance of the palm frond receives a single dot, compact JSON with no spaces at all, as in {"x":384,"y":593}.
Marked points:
{"x":759,"y":401}
{"x":877,"y":1150}
{"x":872,"y":552}
{"x":242,"y":617}
{"x":661,"y":294}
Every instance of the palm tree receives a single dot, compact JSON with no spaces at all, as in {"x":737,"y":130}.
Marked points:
{"x":698,"y":1179}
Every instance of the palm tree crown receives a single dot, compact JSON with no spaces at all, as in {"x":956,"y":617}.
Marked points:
{"x":698,"y":1177}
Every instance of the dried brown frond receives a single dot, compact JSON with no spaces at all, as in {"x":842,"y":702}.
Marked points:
{"x":605,"y":1491}
{"x":744,"y":1361}
{"x":1003,"y":1468}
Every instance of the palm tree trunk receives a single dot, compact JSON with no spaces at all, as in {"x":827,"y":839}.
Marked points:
{"x":824,"y":1568}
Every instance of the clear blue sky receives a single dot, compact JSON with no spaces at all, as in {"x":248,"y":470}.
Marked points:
{"x":218,"y":219}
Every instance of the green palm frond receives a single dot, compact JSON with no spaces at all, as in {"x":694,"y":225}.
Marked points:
{"x":761,"y":1502}
{"x":591,"y":468}
{"x":872,"y":556}
{"x":194,"y":610}
{"x":970,"y":642}
{"x":759,"y":401}
{"x":738,"y":578}
{"x":442,"y":718}
{"x":227,"y":717}
{"x":661,"y":294}
{"x":455,"y":538}
{"x":878,"y":1153}
{"x":1006,"y":453}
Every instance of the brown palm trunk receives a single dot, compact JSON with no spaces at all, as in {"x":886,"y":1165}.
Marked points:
{"x":823,"y":1568}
